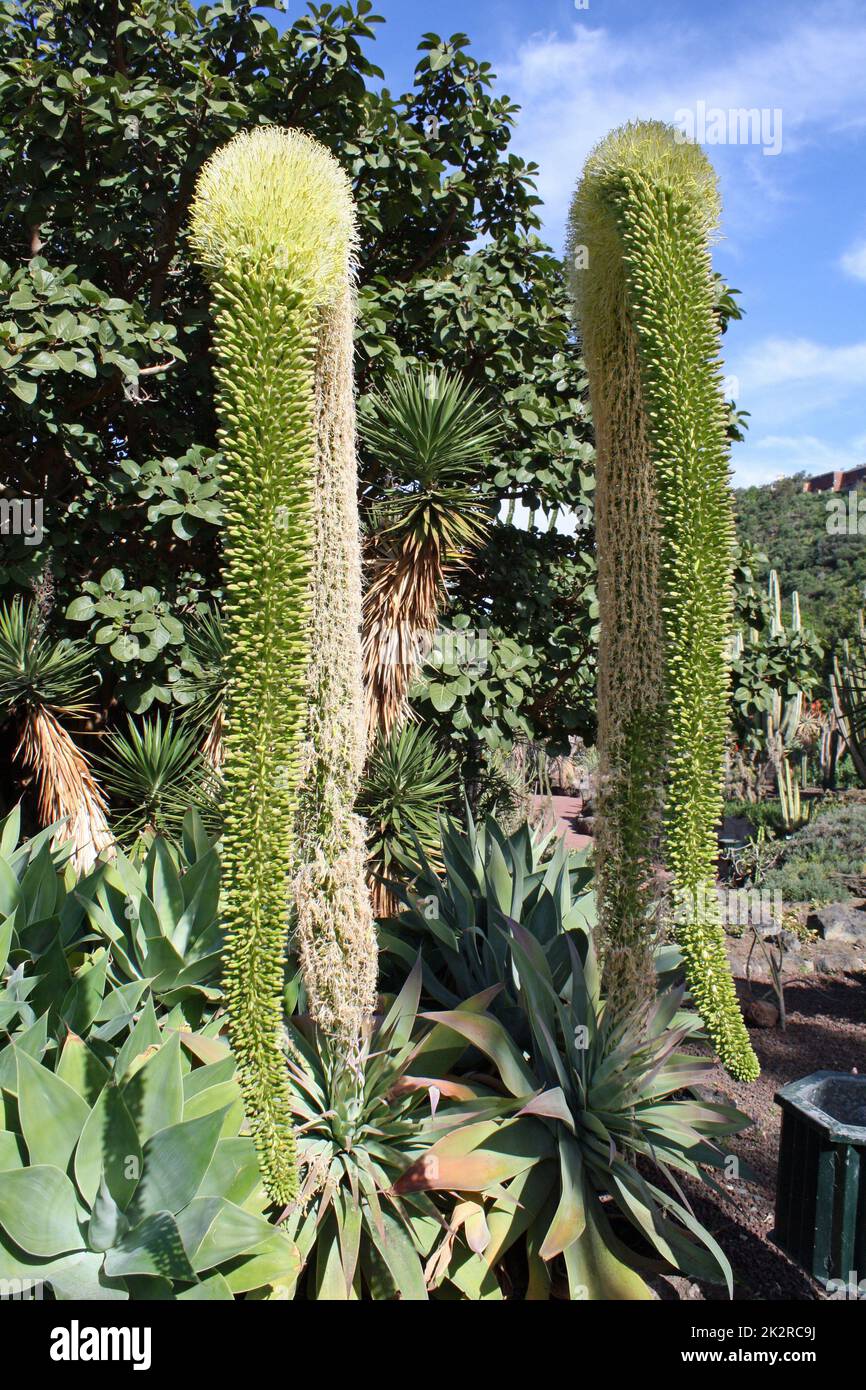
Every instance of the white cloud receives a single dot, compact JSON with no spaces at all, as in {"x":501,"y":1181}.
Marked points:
{"x":782,"y":362}
{"x":773,"y":456}
{"x":854,"y":261}
{"x":575,"y":88}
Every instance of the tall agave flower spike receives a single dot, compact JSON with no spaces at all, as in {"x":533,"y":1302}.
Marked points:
{"x":272,"y":223}
{"x":642,"y":284}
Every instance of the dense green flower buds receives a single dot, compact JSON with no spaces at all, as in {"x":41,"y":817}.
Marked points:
{"x":641,"y":282}
{"x":272,"y":223}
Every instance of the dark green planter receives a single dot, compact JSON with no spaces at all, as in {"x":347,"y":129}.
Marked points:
{"x":821,"y":1187}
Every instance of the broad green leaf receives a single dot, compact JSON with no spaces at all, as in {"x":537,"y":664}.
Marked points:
{"x":39,"y":1211}
{"x":569,"y":1220}
{"x":31,"y":1040}
{"x":213,"y":1289}
{"x":51,"y":1113}
{"x":153,"y":1247}
{"x":215,"y":1231}
{"x":595,"y":1271}
{"x":107,"y":1223}
{"x":154,"y":1093}
{"x":109,"y":1147}
{"x":81,"y":1069}
{"x":175,"y":1161}
{"x":275,"y":1261}
{"x":489,"y":1036}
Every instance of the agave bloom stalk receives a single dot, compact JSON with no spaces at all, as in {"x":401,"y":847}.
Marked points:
{"x":643,"y":289}
{"x":272,"y":224}
{"x":335,"y":933}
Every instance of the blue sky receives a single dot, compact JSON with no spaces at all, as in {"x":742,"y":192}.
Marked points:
{"x":794,"y":227}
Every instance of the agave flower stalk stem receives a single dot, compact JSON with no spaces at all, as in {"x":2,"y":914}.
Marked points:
{"x":272,"y":223}
{"x":642,"y":282}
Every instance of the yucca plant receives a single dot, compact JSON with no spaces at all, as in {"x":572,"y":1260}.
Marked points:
{"x":409,"y":784}
{"x":201,"y":686}
{"x":610,"y":1101}
{"x":361,"y":1124}
{"x":134,"y":1181}
{"x":645,"y":305}
{"x":430,"y":434}
{"x":42,"y":684}
{"x":155,"y":773}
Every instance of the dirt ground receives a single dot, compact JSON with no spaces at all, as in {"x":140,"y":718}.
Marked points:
{"x":825,"y":997}
{"x":826,"y":1031}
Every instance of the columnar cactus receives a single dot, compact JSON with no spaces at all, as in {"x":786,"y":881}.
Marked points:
{"x":642,"y":286}
{"x":272,"y":223}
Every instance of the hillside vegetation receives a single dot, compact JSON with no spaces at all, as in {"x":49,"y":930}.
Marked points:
{"x":790,"y":528}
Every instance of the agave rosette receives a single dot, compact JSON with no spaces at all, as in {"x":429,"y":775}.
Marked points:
{"x":360,"y":1124}
{"x":610,"y":1103}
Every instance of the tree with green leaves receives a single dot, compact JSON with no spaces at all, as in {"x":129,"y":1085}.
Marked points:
{"x":106,"y":402}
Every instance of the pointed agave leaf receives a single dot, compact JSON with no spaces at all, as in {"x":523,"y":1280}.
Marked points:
{"x":330,"y":1283}
{"x":108,"y":1150}
{"x":214,"y":1289}
{"x":163,"y":885}
{"x":33,"y":1041}
{"x":154,"y":1248}
{"x":107,"y":1223}
{"x":10,"y":890}
{"x":154,"y":1093}
{"x":276,"y":1261}
{"x":84,"y":998}
{"x":519,"y":1211}
{"x":10,"y":831}
{"x":438,"y":1049}
{"x":5,"y":941}
{"x":233,"y":1172}
{"x":13,"y":1153}
{"x":226,"y":1234}
{"x":400,"y":1018}
{"x":144,"y":1036}
{"x":174,"y":1162}
{"x":551,"y":1105}
{"x":51,"y":1113}
{"x":349,"y":1228}
{"x":569,"y":1221}
{"x":595,"y":1269}
{"x":398,"y":1254}
{"x":476,"y":1157}
{"x":489,"y":1036}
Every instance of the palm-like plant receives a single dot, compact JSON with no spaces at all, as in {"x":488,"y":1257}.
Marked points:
{"x":43,"y":682}
{"x":156,"y":774}
{"x":201,"y":689}
{"x":409,"y":781}
{"x":430,"y":433}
